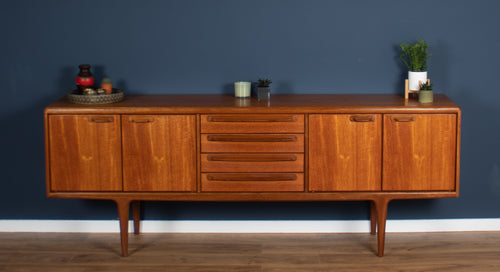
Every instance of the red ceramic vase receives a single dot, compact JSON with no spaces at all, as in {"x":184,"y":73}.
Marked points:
{"x":84,"y":79}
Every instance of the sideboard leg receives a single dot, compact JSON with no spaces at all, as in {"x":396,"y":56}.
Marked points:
{"x":123,"y":214}
{"x":136,"y":214}
{"x":373,"y":218}
{"x":381,"y":210}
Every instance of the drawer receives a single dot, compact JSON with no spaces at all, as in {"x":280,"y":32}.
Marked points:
{"x":255,"y":162}
{"x":252,"y":123}
{"x":249,"y":143}
{"x":252,"y":182}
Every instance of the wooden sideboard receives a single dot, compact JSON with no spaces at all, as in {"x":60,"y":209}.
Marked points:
{"x":218,"y":148}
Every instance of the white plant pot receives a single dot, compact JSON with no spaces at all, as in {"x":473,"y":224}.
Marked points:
{"x":242,"y":89}
{"x":415,"y":79}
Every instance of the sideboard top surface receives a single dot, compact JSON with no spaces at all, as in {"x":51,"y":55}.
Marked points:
{"x":297,"y":103}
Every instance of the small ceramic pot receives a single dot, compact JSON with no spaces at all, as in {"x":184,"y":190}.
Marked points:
{"x":263,"y":93}
{"x":107,"y":85}
{"x":425,"y":96}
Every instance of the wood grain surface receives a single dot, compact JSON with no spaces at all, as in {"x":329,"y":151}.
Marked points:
{"x":246,"y":143}
{"x":159,"y":152}
{"x":252,"y":182}
{"x":85,"y":152}
{"x":438,"y":252}
{"x":252,"y":162}
{"x":279,"y":104}
{"x":345,"y":152}
{"x":252,"y":123}
{"x":419,"y":152}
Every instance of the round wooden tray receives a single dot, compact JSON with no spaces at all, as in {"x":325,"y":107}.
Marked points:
{"x":76,"y":97}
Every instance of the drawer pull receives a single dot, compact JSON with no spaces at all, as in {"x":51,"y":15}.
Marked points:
{"x":252,"y":158}
{"x":101,"y":119}
{"x":252,"y":138}
{"x":252,"y":177}
{"x":403,"y":118}
{"x":362,"y":118}
{"x":252,"y":118}
{"x":141,"y":120}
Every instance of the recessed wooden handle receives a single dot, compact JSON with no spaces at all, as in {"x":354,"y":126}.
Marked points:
{"x":141,"y":119}
{"x":101,"y":119}
{"x":403,"y":118}
{"x":252,"y":118}
{"x":252,"y":138}
{"x":252,"y":157}
{"x":362,"y":118}
{"x":252,"y":177}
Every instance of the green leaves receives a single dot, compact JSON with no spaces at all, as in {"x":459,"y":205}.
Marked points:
{"x":426,"y":87}
{"x":414,"y":56}
{"x":264,"y":82}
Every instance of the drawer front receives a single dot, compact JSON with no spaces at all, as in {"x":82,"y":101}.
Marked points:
{"x":252,"y":182}
{"x":252,"y":162}
{"x":249,"y":143}
{"x":252,"y":123}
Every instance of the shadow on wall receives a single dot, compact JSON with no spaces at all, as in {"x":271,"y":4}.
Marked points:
{"x":228,"y":89}
{"x":480,"y":157}
{"x":400,"y":82}
{"x":23,"y":160}
{"x":66,"y":80}
{"x":335,"y":210}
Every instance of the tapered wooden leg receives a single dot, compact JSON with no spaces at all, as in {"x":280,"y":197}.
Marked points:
{"x":136,"y":214}
{"x":123,"y":214}
{"x":381,"y":210}
{"x":373,"y":218}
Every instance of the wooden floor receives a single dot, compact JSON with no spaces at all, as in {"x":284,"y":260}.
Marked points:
{"x":54,"y":252}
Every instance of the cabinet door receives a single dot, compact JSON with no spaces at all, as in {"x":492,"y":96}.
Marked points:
{"x":345,"y":152}
{"x":419,"y":152}
{"x":159,"y":152}
{"x":84,"y":153}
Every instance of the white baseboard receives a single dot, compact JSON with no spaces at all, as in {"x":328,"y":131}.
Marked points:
{"x":239,"y":226}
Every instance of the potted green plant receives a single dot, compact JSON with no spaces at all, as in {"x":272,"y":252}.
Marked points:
{"x":426,"y":94}
{"x":415,"y":56}
{"x":263,"y":89}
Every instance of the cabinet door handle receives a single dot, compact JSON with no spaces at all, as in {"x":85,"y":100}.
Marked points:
{"x":408,"y":118}
{"x":252,"y":118}
{"x":101,"y":119}
{"x":252,"y":157}
{"x":141,"y":119}
{"x":252,"y":177}
{"x":252,"y":138}
{"x":362,"y":118}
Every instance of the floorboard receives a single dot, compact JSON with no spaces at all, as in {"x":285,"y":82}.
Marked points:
{"x":85,"y":252}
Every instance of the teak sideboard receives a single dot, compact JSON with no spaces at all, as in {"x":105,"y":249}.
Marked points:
{"x":219,"y":148}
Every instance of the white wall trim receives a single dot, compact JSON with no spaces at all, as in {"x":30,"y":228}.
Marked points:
{"x":250,"y":226}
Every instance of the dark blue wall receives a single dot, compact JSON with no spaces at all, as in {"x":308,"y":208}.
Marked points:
{"x":202,"y":46}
